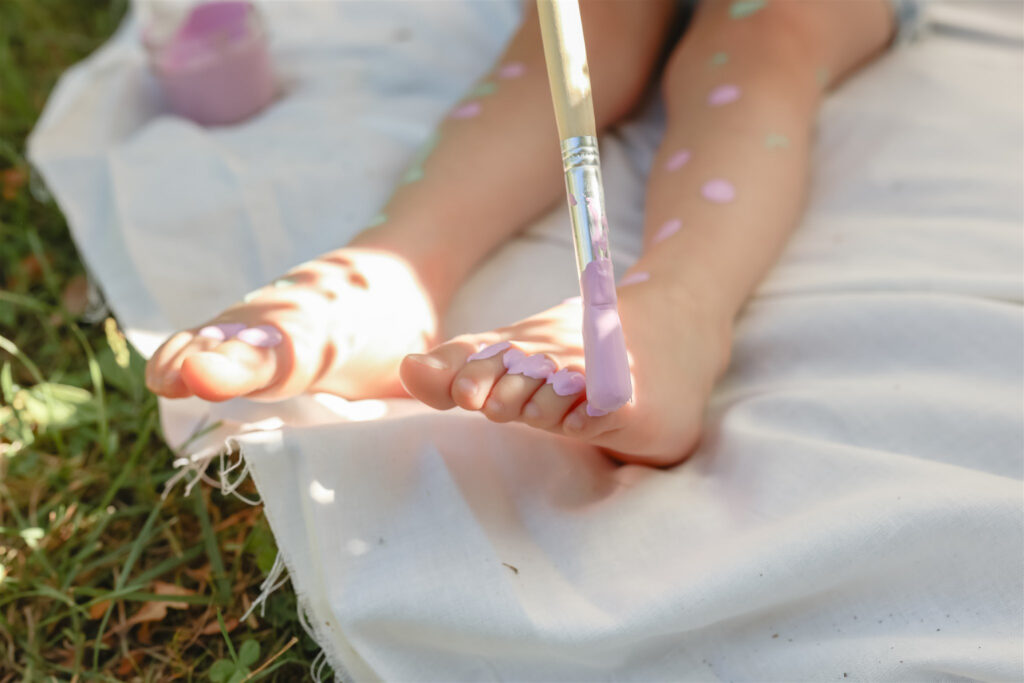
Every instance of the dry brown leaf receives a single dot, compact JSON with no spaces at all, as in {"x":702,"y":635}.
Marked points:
{"x":99,"y":609}
{"x":164,"y":588}
{"x":11,"y":182}
{"x":27,"y":271}
{"x":214,"y":627}
{"x":129,"y":662}
{"x":150,"y":611}
{"x":200,"y":574}
{"x":76,"y":295}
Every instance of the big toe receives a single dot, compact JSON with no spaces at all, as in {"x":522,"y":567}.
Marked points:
{"x":428,"y":377}
{"x":233,"y":369}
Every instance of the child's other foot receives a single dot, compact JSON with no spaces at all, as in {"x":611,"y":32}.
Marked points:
{"x":532,"y":372}
{"x":340,"y":323}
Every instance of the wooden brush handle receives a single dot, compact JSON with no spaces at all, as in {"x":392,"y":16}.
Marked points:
{"x":568,"y":74}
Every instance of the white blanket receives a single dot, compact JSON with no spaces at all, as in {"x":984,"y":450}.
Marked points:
{"x":855,"y":509}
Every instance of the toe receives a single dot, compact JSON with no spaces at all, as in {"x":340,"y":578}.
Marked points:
{"x":581,"y":424}
{"x":163,"y":371}
{"x":234,"y":368}
{"x":474,"y":381}
{"x":429,"y":377}
{"x":549,"y":405}
{"x":508,"y":396}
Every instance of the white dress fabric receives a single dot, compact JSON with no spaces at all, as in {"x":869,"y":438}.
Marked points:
{"x":855,"y":508}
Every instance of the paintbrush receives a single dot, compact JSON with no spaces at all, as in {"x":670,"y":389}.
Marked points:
{"x":609,"y":386}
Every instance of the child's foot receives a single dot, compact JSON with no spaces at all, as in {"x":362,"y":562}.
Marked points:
{"x":532,"y":372}
{"x":340,"y":324}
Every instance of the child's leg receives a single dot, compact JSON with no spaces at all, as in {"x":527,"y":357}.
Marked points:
{"x":742,"y":91}
{"x":342,"y":322}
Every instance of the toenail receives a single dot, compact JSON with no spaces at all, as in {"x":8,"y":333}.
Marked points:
{"x":574,"y":422}
{"x":466,"y":386}
{"x":429,"y":361}
{"x":531,"y":411}
{"x":261,"y":336}
{"x":489,"y":351}
{"x":221,"y":331}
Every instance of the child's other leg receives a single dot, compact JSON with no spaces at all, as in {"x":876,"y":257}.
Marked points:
{"x":342,"y":322}
{"x":742,"y":91}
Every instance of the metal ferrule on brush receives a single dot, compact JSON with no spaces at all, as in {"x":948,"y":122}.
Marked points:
{"x":586,"y":199}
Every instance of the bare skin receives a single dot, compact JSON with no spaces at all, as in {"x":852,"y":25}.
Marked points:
{"x":726,"y":190}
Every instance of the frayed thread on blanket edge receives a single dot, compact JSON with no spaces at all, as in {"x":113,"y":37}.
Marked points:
{"x":197,"y":465}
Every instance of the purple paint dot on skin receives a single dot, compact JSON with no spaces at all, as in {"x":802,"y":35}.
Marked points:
{"x":512,"y":70}
{"x":718,"y":191}
{"x":467,"y":111}
{"x":595,"y":412}
{"x":565,"y":382}
{"x":261,"y":336}
{"x":670,"y":228}
{"x":534,"y":366}
{"x":677,"y":160}
{"x":489,"y":351}
{"x":635,"y":278}
{"x":221,"y":331}
{"x":724,"y":94}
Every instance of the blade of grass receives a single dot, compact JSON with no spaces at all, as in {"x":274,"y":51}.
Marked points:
{"x":221,"y":586}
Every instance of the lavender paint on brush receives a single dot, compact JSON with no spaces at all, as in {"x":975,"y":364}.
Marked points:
{"x":609,"y":385}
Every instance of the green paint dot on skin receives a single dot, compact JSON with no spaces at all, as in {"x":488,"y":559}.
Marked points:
{"x":282,"y":282}
{"x":482,"y":89}
{"x":251,"y":296}
{"x":744,"y":8}
{"x":776,"y":140}
{"x":379,"y":219}
{"x":719,"y":58}
{"x":412,"y":175}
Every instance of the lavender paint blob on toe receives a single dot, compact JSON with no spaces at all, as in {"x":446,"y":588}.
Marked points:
{"x":489,"y":351}
{"x":565,"y":382}
{"x":261,"y":336}
{"x":534,"y":366}
{"x":221,"y":331}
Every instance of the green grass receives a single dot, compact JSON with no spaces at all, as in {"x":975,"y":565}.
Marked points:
{"x":101,"y":579}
